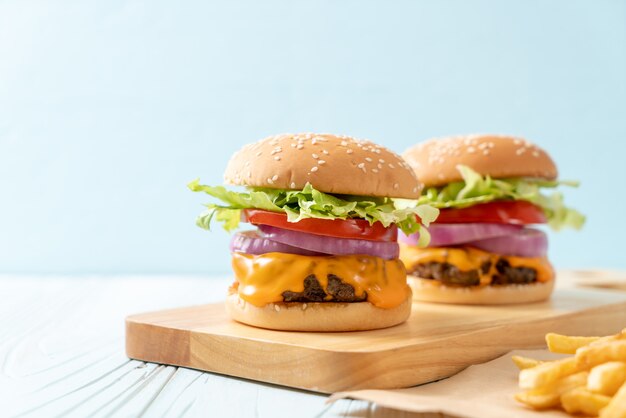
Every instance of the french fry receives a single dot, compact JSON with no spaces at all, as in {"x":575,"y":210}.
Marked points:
{"x":549,"y":396}
{"x":592,"y":382}
{"x":593,"y":355}
{"x":525,"y":362}
{"x":563,"y":344}
{"x":617,"y":407}
{"x":607,"y":378}
{"x":547,"y":373}
{"x":582,"y":401}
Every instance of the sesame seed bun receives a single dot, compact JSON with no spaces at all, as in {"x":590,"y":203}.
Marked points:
{"x":331,"y":163}
{"x":435,"y":161}
{"x":316,"y":316}
{"x":427,"y":290}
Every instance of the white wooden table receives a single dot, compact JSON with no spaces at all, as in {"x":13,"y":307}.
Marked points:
{"x":62,"y":354}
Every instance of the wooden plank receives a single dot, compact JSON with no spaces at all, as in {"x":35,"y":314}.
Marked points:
{"x":437,"y":341}
{"x":62,"y":354}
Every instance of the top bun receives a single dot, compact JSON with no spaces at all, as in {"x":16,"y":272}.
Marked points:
{"x":331,"y":163}
{"x":435,"y":161}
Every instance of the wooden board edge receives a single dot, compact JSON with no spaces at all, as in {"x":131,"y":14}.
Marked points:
{"x":378,"y":369}
{"x":157,"y":344}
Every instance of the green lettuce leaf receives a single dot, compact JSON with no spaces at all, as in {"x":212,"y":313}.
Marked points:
{"x":311,"y":203}
{"x":478,"y":189}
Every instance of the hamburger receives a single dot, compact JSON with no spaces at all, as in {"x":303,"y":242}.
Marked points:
{"x":323,"y":251}
{"x":491,"y":190}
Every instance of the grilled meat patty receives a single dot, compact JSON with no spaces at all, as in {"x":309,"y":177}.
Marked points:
{"x":449,"y":274}
{"x":336,"y":291}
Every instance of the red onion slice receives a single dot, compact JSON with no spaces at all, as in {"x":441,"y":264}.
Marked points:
{"x":252,"y":242}
{"x":331,"y":245}
{"x":444,"y":235}
{"x":527,"y":242}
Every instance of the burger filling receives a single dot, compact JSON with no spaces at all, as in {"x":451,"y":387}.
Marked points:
{"x":280,"y":277}
{"x":336,"y":291}
{"x":467,"y":266}
{"x":310,"y":246}
{"x":449,"y":274}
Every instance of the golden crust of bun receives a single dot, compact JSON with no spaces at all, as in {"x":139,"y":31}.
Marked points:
{"x":320,"y":317}
{"x":428,"y":290}
{"x":331,"y":163}
{"x":435,"y":161}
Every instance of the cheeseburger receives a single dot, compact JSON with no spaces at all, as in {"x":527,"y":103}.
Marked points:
{"x":483,"y":250}
{"x":323,"y":255}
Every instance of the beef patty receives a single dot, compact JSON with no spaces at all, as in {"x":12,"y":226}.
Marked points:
{"x":314,"y":292}
{"x":449,"y":274}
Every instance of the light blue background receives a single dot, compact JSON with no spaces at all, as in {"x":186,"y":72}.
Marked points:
{"x":107,"y":110}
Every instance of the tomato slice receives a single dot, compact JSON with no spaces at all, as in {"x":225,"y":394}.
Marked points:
{"x":339,"y":228}
{"x":517,"y":212}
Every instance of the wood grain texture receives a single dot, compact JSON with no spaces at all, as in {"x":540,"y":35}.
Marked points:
{"x":437,"y":341}
{"x":62,"y":355}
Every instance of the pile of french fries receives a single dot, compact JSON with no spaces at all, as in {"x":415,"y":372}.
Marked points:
{"x":591,"y":383}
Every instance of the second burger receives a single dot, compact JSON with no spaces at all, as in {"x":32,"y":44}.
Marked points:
{"x":491,"y":189}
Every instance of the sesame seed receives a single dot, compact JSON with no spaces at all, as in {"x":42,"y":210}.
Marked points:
{"x":293,"y":145}
{"x":247,"y":164}
{"x":315,"y":156}
{"x":414,"y":189}
{"x":396,"y":185}
{"x":368,"y":159}
{"x":520,"y":151}
{"x":277,"y":158}
{"x":314,"y":169}
{"x":350,"y":151}
{"x":380,"y":160}
{"x":361,"y":165}
{"x":300,"y":146}
{"x":277,"y":308}
{"x":486,"y":152}
{"x":304,"y":305}
{"x":320,"y":162}
{"x":325,"y":152}
{"x":344,"y":143}
{"x":275,"y":177}
{"x":535,"y":154}
{"x":380,"y":166}
{"x":292,"y":185}
{"x":391,"y":165}
{"x":375,"y":170}
{"x":313,"y":141}
{"x":270,"y":181}
{"x":258,"y":154}
{"x":471,"y":150}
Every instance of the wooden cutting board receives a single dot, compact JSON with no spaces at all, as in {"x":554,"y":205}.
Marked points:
{"x":437,"y":341}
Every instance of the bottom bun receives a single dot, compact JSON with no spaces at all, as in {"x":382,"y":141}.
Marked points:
{"x":317,"y":316}
{"x":428,"y":290}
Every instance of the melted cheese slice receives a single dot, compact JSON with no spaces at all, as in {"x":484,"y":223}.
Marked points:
{"x":261,"y":279}
{"x":469,"y":258}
